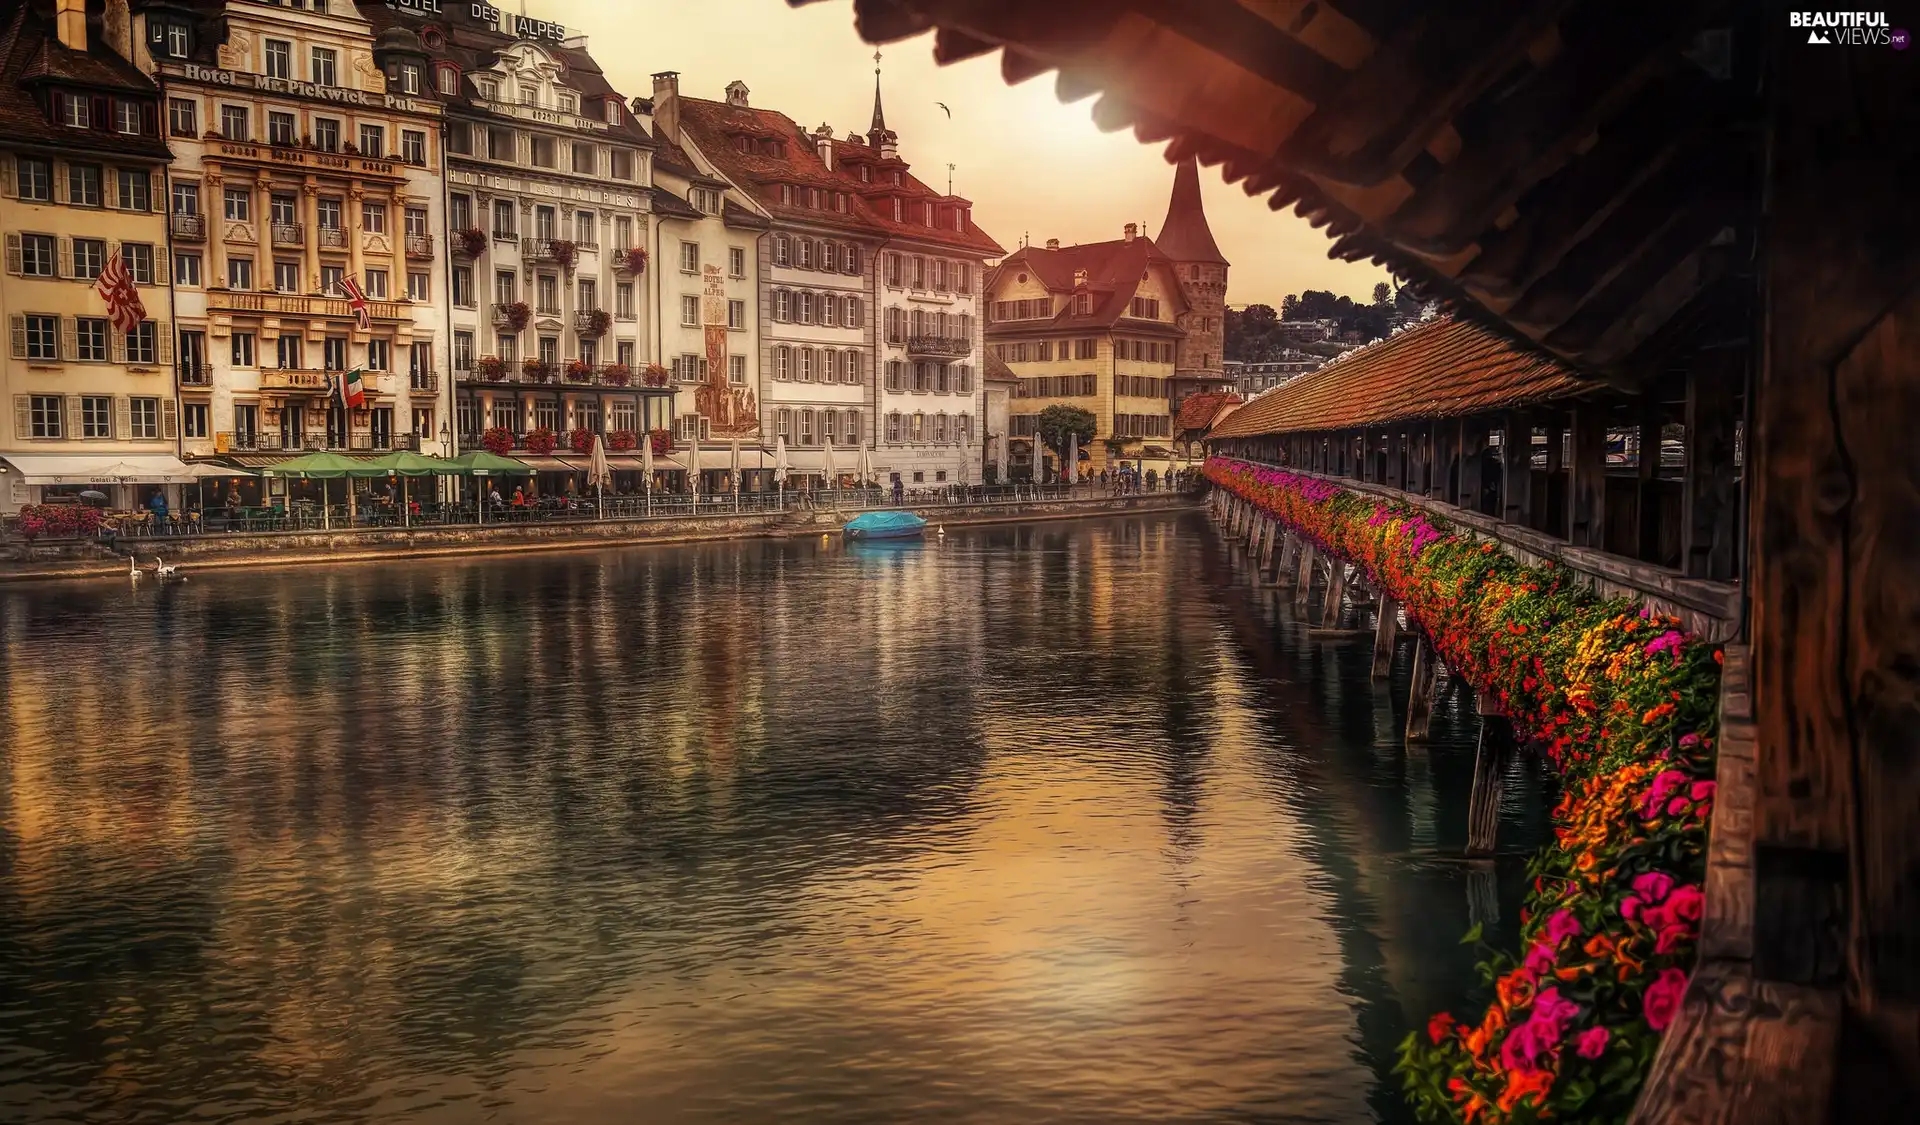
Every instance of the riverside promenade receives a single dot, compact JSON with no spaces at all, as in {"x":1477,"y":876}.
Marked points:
{"x":220,"y":550}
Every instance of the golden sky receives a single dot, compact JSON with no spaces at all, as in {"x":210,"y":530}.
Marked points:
{"x":1033,"y":166}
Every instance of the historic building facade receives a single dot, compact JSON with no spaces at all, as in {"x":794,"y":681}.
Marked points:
{"x":1094,"y":326}
{"x":549,"y":218}
{"x":307,"y":160}
{"x":83,"y":167}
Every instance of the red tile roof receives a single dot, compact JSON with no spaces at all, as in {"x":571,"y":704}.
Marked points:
{"x":995,"y":370}
{"x":1444,"y":368}
{"x":31,"y":55}
{"x":1197,"y":411}
{"x":715,"y":125}
{"x":1114,"y":272}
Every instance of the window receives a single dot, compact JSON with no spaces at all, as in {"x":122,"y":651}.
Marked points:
{"x":243,"y":349}
{"x":503,"y":214}
{"x":918,"y":432}
{"x":546,"y":293}
{"x":806,"y":427}
{"x":37,"y":255}
{"x":506,"y":289}
{"x":83,"y":185}
{"x":736,"y":314}
{"x":782,"y":250}
{"x":463,"y":351}
{"x":782,"y":362}
{"x":589,"y":294}
{"x":323,"y":66}
{"x":96,"y":416}
{"x":377,"y":284}
{"x":280,"y":128}
{"x":239,"y":273}
{"x":75,"y":111}
{"x":138,"y":257}
{"x":689,"y":257}
{"x":89,"y":256}
{"x":966,"y":379}
{"x":373,"y":141}
{"x":504,"y":345}
{"x":127,"y":117}
{"x":413,"y":146}
{"x":134,"y":189}
{"x":806,"y":254}
{"x":193,"y":420}
{"x":543,"y":151}
{"x":287,"y":352}
{"x":622,"y":232}
{"x":171,"y":40}
{"x":803,"y":308}
{"x":43,"y":413}
{"x":449,"y":80}
{"x":186,"y":269}
{"x":330,"y":278}
{"x":183,"y":117}
{"x":806,"y":365}
{"x":893,"y":427}
{"x":334,"y":354}
{"x":279,"y":58}
{"x":622,"y":163}
{"x":964,"y":279}
{"x":500,"y":145}
{"x":42,"y":339}
{"x":736,"y":369}
{"x":373,"y":218}
{"x":921,"y":376}
{"x":326,"y":134}
{"x":417,"y":288}
{"x":851,"y":262}
{"x":689,"y":311}
{"x":782,"y":305}
{"x":829,"y":309}
{"x":583,"y":159}
{"x":940,"y":378}
{"x":380,"y":355}
{"x":409,"y":78}
{"x":329,"y":212}
{"x":623,"y":300}
{"x":233,"y":123}
{"x":851,"y":372}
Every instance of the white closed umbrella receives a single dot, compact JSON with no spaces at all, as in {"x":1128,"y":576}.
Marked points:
{"x":866,"y":465}
{"x":693,"y":470}
{"x":830,"y":471}
{"x":780,"y":467}
{"x":1073,"y":459}
{"x":646,"y":469}
{"x":599,"y":475}
{"x":734,"y":472}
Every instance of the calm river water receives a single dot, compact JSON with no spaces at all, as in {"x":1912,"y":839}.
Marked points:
{"x":1057,"y":823}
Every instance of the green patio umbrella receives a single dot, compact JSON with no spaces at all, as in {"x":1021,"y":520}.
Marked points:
{"x":480,"y":463}
{"x":406,"y":464}
{"x":323,"y":467}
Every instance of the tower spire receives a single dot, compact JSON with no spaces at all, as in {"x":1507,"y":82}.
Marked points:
{"x":1185,"y":236}
{"x":879,"y":118}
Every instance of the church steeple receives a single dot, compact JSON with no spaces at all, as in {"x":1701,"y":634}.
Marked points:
{"x":1184,"y":236}
{"x":879,"y":136}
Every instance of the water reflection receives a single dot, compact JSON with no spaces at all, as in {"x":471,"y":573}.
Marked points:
{"x":1048,"y":823}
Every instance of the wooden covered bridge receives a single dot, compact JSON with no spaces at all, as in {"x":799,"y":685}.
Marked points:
{"x":1677,"y":248}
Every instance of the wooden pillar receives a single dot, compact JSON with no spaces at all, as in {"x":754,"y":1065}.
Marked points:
{"x":1440,"y":482}
{"x":1472,"y":439}
{"x":1710,"y":503}
{"x":1587,"y":478}
{"x":1646,"y":499}
{"x":1489,"y":775}
{"x":1303,"y":579}
{"x":1545,"y":518}
{"x":1420,"y":694}
{"x":1384,"y":634}
{"x":1516,"y":462}
{"x":1336,"y":594}
{"x":1271,"y":530}
{"x":1289,"y":549}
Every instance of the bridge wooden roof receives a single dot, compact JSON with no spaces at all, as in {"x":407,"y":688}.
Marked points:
{"x":1576,"y":173}
{"x":1444,"y":368}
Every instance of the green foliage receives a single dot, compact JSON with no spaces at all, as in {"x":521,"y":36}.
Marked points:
{"x":1058,"y":422}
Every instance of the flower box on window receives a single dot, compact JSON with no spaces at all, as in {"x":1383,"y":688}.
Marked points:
{"x":540,"y":442}
{"x":538,"y":370}
{"x":654,"y":375}
{"x":622,"y":441}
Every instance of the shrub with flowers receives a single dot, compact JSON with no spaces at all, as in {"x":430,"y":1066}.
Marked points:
{"x":564,"y":253}
{"x":536,"y":369}
{"x":622,"y":441}
{"x":632,"y":260}
{"x":518,"y":314}
{"x":1623,"y":703}
{"x":661,"y":440}
{"x":616,"y":374}
{"x":498,"y":440}
{"x":472,"y":241}
{"x":580,"y":441}
{"x":540,"y":442}
{"x":57,"y":521}
{"x":654,"y":375}
{"x":579,"y":370}
{"x":492,"y":368}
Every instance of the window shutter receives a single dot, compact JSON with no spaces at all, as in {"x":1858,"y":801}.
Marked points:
{"x":14,"y":263}
{"x":71,"y":422}
{"x":69,"y":337}
{"x":66,"y":256}
{"x":162,"y":343}
{"x":18,"y":325}
{"x":102,"y":111}
{"x":22,"y":417}
{"x":122,"y":417}
{"x":58,"y":181}
{"x":117,"y":344}
{"x":169,"y":419}
{"x":7,"y":186}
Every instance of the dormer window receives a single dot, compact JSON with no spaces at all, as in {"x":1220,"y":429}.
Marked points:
{"x":529,"y":96}
{"x":74,"y":111}
{"x":613,"y":111}
{"x":866,"y":174}
{"x":489,"y":89}
{"x":564,"y":103}
{"x":899,"y":210}
{"x":169,"y":38}
{"x":449,"y":81}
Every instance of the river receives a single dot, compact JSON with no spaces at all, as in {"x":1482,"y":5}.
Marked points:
{"x":1044,"y":823}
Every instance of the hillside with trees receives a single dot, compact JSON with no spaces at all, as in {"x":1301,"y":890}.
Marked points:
{"x":1253,"y":332}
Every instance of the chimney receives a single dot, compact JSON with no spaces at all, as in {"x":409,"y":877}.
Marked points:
{"x":1133,"y":231}
{"x":737,"y":93}
{"x":1053,"y":244}
{"x":822,"y":143}
{"x":116,"y":28}
{"x":70,"y":23}
{"x":1079,"y":279}
{"x":666,"y":105}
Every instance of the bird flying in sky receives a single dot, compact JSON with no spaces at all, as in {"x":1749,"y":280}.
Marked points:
{"x":943,"y":105}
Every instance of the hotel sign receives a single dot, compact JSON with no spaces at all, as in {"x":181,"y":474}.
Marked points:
{"x":340,"y":95}
{"x":526,"y":27}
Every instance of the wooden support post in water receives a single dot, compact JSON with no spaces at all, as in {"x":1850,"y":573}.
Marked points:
{"x":1289,"y":558}
{"x":1303,"y":579}
{"x":1336,"y":594}
{"x":1489,"y":774}
{"x":1384,"y":635}
{"x":1483,"y":894}
{"x":1420,"y":694}
{"x":1266,"y":546}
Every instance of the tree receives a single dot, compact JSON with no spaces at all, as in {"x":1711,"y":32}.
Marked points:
{"x":1382,"y":293}
{"x":1058,"y":422}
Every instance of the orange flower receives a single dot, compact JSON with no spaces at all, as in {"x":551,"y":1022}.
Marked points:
{"x":1526,"y":1084}
{"x":1515,"y":989}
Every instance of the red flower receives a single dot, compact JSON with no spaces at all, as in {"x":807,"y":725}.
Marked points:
{"x":1439,"y":1025}
{"x":1591,"y":1043}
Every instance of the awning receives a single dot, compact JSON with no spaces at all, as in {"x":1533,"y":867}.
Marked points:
{"x":99,"y":468}
{"x":269,"y":460}
{"x":550,"y":465}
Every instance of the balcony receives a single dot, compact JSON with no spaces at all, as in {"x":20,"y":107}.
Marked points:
{"x":419,"y":246}
{"x":195,"y":374}
{"x":583,"y":322}
{"x":312,"y":380}
{"x":537,"y":249}
{"x":937,"y":347}
{"x":428,"y":381}
{"x":289,"y":234}
{"x":503,"y":317}
{"x":243,"y":300}
{"x":333,"y":238}
{"x":192,"y":228}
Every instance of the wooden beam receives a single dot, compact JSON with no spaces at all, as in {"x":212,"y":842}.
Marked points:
{"x":1516,"y":457}
{"x":1420,"y":693}
{"x":1384,"y":634}
{"x":1710,"y":501}
{"x":1587,"y":478}
{"x":1336,"y":594}
{"x":1646,"y":471}
{"x":1472,"y":441}
{"x":1289,"y":551}
{"x":1303,"y":579}
{"x":1489,"y":776}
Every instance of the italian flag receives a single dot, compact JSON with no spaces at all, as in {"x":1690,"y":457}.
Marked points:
{"x":353,"y":393}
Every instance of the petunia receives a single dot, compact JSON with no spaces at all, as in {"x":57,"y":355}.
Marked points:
{"x":1591,"y":1043}
{"x":1687,"y":903}
{"x":1654,"y":886}
{"x":1561,"y":926}
{"x":1702,"y":791}
{"x":1662,"y":1001}
{"x":1438,"y":1026}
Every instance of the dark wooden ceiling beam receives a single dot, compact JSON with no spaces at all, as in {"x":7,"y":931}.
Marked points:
{"x":1437,"y":62}
{"x":1535,"y":127}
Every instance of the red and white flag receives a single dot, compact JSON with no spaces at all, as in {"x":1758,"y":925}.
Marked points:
{"x":115,"y":286}
{"x":357,"y":297}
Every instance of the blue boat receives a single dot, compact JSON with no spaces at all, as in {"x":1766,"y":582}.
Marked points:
{"x":885,"y":525}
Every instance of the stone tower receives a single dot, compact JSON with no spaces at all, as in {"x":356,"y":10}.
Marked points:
{"x":1185,"y":238}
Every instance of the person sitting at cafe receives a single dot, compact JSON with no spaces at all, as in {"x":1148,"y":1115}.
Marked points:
{"x":233,"y":496}
{"x":519,"y":497}
{"x":493,"y":496}
{"x":157,"y":504}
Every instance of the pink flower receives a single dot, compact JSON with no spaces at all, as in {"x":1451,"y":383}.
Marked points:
{"x":1677,"y":807}
{"x":1672,"y":938}
{"x":1664,"y":786}
{"x":1663,"y":998}
{"x":1591,"y":1043}
{"x":1667,"y":641}
{"x":1630,"y":907}
{"x":1687,"y":903}
{"x":1654,"y":886}
{"x":1702,"y":791}
{"x":1562,"y":926}
{"x":1551,"y":1008}
{"x":1540,"y":958}
{"x":1689,"y":740}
